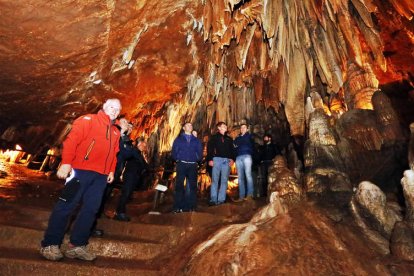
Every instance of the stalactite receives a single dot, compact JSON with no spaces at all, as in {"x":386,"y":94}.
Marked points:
{"x":360,"y":85}
{"x":295,"y":105}
{"x":404,"y":7}
{"x":337,"y":106}
{"x":302,"y":37}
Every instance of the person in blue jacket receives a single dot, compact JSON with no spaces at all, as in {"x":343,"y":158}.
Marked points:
{"x":244,"y":148}
{"x":186,"y":151}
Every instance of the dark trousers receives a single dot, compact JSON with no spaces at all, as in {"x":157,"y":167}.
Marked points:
{"x":128,"y":187}
{"x":264,"y":166}
{"x":185,"y":198}
{"x":89,"y":195}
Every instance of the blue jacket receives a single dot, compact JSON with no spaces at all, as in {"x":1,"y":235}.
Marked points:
{"x":244,"y":144}
{"x":187,"y":148}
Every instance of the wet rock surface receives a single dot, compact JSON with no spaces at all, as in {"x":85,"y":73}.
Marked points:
{"x":317,"y":236}
{"x":302,"y":241}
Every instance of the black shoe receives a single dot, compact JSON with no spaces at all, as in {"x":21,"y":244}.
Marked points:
{"x":177,"y":211}
{"x":97,"y":233}
{"x":212,"y":203}
{"x":122,"y":217}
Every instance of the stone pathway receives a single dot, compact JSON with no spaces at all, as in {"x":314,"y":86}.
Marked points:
{"x":147,"y":245}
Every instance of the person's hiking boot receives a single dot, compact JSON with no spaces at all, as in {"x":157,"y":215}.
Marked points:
{"x":51,"y":252}
{"x":122,"y":217}
{"x":81,"y":253}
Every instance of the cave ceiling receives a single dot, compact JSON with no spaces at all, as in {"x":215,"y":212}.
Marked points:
{"x":169,"y":60}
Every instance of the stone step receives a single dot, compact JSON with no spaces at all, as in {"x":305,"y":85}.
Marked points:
{"x":29,"y":262}
{"x":126,"y":248}
{"x":37,"y":219}
{"x":151,"y":232}
{"x":185,"y":219}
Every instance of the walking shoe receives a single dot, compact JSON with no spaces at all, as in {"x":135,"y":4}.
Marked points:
{"x":177,"y":211}
{"x":81,"y":253}
{"x":212,"y":203}
{"x":51,"y":252}
{"x":248,"y":198}
{"x":240,"y":199}
{"x":122,"y":217}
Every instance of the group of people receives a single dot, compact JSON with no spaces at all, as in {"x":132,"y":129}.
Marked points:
{"x":98,"y":150}
{"x":222,"y":152}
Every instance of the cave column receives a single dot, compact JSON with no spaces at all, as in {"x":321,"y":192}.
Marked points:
{"x":360,"y":85}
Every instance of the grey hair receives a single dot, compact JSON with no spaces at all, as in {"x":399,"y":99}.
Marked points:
{"x":109,"y":101}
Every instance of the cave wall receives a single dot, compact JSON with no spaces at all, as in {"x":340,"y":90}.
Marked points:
{"x":202,"y":61}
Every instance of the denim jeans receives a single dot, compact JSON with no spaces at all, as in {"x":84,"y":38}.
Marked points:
{"x":185,"y":198}
{"x":92,"y":187}
{"x":244,"y":172}
{"x":221,"y":172}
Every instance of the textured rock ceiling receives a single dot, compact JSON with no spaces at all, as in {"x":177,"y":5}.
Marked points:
{"x":169,"y":60}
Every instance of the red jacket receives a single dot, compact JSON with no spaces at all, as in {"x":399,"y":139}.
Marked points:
{"x":92,"y":144}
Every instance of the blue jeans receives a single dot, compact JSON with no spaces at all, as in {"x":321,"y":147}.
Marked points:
{"x":244,"y":172}
{"x":185,"y":198}
{"x":221,"y":172}
{"x":92,"y":187}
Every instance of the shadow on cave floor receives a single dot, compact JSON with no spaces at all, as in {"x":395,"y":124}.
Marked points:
{"x":162,"y":244}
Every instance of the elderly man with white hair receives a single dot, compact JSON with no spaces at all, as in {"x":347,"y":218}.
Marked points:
{"x":88,"y":164}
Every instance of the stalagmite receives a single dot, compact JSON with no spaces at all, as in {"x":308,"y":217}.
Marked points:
{"x":323,"y":164}
{"x":284,"y":182}
{"x":373,"y":205}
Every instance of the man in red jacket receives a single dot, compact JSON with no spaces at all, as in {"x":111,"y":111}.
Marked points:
{"x":88,"y":164}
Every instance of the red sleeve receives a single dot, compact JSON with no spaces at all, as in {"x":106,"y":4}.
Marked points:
{"x":77,"y":134}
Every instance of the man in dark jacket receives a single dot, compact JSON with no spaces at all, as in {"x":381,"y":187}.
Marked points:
{"x":134,"y":168}
{"x":186,"y":151}
{"x":125,"y":148}
{"x":268,"y":151}
{"x":220,"y":156}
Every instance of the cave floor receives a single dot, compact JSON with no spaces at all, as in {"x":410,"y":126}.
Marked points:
{"x":306,"y":240}
{"x":150,"y":244}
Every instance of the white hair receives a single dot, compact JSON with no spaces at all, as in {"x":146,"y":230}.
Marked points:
{"x":112,"y":101}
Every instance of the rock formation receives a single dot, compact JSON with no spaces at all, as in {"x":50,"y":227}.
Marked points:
{"x":373,"y":215}
{"x":402,"y":240}
{"x":284,"y":182}
{"x":291,"y":68}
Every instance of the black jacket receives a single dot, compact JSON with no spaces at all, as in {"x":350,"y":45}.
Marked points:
{"x":220,"y":146}
{"x":268,"y":152}
{"x":136,"y":164}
